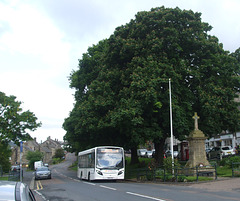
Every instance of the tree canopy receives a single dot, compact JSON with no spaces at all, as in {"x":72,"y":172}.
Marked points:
{"x":32,"y":157}
{"x":122,"y":94}
{"x":14,"y":122}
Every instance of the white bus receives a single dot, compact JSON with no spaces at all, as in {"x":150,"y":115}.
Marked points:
{"x":101,"y":163}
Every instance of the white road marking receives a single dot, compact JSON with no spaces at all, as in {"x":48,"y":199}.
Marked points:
{"x":41,"y":195}
{"x":32,"y":183}
{"x":89,"y":183}
{"x":145,"y":196}
{"x":114,"y":189}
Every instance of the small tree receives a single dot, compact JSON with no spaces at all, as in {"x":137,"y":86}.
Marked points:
{"x":59,"y":153}
{"x":33,"y":157}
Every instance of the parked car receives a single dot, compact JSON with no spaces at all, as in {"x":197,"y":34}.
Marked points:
{"x":227,"y":150}
{"x":142,"y":153}
{"x":168,"y":153}
{"x":15,"y":168}
{"x":149,"y":154}
{"x":15,"y":191}
{"x":219,"y":152}
{"x":43,"y":173}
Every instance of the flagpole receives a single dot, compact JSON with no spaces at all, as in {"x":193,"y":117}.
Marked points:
{"x":171,"y":126}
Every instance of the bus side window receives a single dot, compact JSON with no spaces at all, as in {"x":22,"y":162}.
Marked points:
{"x":93,"y":161}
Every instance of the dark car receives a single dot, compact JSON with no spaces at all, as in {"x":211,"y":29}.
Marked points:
{"x":43,"y":173}
{"x":15,"y":191}
{"x":15,"y":168}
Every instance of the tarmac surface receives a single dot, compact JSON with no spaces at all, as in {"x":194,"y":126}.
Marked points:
{"x":221,"y":184}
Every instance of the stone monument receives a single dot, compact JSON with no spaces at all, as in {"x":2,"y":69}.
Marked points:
{"x":196,"y":140}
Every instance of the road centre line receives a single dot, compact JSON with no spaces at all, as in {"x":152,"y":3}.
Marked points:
{"x":89,"y":183}
{"x":114,"y":189}
{"x":145,"y":196}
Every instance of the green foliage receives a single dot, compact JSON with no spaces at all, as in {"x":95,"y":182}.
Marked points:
{"x":14,"y":122}
{"x":5,"y":153}
{"x":229,"y":160}
{"x":122,"y":94}
{"x":192,"y":179}
{"x":33,"y":156}
{"x":224,"y":171}
{"x":57,"y":160}
{"x":3,"y":178}
{"x":59,"y":153}
{"x":167,"y":163}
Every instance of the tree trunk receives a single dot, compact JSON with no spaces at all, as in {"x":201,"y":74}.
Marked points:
{"x":134,"y":156}
{"x":159,"y":151}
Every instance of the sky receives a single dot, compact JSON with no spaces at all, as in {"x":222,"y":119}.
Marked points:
{"x":41,"y":42}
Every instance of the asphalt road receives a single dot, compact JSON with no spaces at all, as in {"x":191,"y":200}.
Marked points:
{"x":65,"y":186}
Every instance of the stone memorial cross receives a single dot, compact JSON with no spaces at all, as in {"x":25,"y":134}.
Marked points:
{"x":195,"y":117}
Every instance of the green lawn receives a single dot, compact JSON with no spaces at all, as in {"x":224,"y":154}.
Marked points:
{"x":3,"y":178}
{"x":224,"y":171}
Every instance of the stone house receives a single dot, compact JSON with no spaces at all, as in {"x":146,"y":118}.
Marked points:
{"x":48,"y":148}
{"x":31,"y":145}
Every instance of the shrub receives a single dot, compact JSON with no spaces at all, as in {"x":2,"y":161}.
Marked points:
{"x":167,"y":163}
{"x":59,"y":153}
{"x":181,"y":178}
{"x":57,"y":160}
{"x":228,"y":161}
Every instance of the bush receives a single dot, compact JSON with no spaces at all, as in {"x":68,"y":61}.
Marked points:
{"x":167,"y":163}
{"x":57,"y":160}
{"x":228,"y":161}
{"x":59,"y":153}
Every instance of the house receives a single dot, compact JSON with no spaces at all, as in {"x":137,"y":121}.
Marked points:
{"x":31,"y":145}
{"x":224,"y":139}
{"x":48,"y":148}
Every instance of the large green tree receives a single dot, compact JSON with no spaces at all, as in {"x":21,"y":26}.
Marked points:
{"x":14,"y":122}
{"x":122,"y":94}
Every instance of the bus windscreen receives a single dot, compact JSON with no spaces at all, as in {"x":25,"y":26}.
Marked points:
{"x":109,"y":158}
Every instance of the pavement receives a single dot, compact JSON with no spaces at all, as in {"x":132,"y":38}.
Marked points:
{"x":226,"y":184}
{"x":221,"y":184}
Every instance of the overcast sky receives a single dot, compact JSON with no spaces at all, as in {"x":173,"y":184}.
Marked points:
{"x":42,"y":40}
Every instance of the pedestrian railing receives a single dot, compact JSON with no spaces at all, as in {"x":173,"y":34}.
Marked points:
{"x":235,"y":169}
{"x":177,"y":174}
{"x":1,"y":171}
{"x":14,"y":176}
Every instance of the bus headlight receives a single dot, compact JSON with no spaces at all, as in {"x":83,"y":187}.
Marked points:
{"x":99,"y":172}
{"x":120,"y":172}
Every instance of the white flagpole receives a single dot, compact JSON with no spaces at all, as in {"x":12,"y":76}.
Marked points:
{"x":171,"y":126}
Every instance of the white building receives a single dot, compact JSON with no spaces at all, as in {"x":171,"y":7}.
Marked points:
{"x":227,"y":139}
